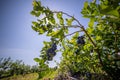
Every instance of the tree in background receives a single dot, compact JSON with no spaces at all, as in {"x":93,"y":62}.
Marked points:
{"x":97,"y":50}
{"x":9,"y":67}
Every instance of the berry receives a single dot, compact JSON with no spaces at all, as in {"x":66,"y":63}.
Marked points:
{"x":80,"y":40}
{"x":51,"y":51}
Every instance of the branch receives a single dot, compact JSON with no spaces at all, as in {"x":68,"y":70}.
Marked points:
{"x":72,"y":26}
{"x":82,"y":27}
{"x":72,"y":33}
{"x":63,"y":13}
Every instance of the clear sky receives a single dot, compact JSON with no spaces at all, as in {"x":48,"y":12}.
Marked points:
{"x":17,"y":39}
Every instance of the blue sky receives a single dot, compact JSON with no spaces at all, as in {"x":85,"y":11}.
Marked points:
{"x":17,"y":39}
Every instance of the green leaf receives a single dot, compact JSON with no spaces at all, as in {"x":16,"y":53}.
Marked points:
{"x":69,"y":21}
{"x":37,"y":6}
{"x":34,"y":28}
{"x":57,"y":34}
{"x":98,"y":38}
{"x":41,"y":31}
{"x":35,"y":13}
{"x":87,"y":46}
{"x":38,"y":14}
{"x":37,"y":59}
{"x":104,"y":7}
{"x":91,"y":22}
{"x":35,"y":3}
{"x":61,"y":20}
{"x":76,"y":35}
{"x":90,"y":30}
{"x":59,"y":15}
{"x":66,"y":30}
{"x":52,"y":20}
{"x":86,"y":4}
{"x":34,"y":23}
{"x":108,"y":10}
{"x":113,"y":12}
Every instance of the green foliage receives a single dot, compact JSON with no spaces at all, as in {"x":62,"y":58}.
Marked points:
{"x":61,"y":20}
{"x":69,"y":21}
{"x":37,"y":59}
{"x":31,"y":76}
{"x":99,"y":53}
{"x":105,"y":33}
{"x":9,"y":67}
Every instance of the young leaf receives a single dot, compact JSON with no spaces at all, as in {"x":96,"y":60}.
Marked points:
{"x":69,"y":21}
{"x":61,"y":20}
{"x":113,"y":12}
{"x":41,"y":31}
{"x":98,"y":38}
{"x":33,"y":12}
{"x":108,"y":10}
{"x":85,"y":4}
{"x":37,"y":59}
{"x":91,"y":22}
{"x":59,"y":15}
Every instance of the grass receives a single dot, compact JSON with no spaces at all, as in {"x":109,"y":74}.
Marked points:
{"x":32,"y":76}
{"x":50,"y":75}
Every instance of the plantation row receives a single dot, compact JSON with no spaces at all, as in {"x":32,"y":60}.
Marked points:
{"x":9,"y":67}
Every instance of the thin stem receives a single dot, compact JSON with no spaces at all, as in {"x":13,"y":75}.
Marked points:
{"x":72,"y":26}
{"x":72,"y":33}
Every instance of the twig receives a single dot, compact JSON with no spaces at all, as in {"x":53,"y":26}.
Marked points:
{"x":72,"y":26}
{"x":72,"y":33}
{"x":62,"y":13}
